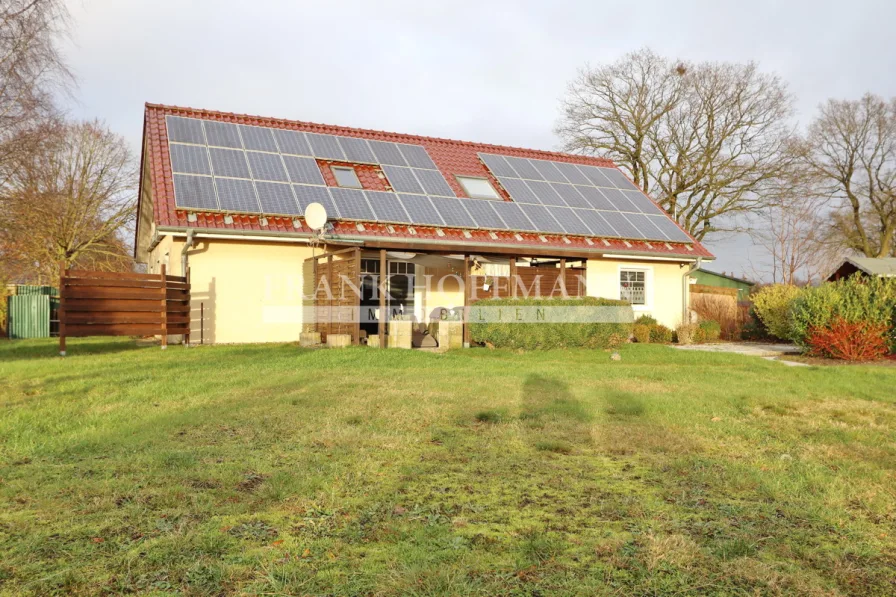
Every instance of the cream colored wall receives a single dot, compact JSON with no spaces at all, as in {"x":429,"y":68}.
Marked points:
{"x":450,"y":295}
{"x":167,"y":252}
{"x":664,"y":294}
{"x":251,"y":291}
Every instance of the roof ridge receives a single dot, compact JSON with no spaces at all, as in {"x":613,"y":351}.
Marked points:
{"x":149,"y":105}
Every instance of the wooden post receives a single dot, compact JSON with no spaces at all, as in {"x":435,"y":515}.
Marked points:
{"x":62,"y":275}
{"x":563,"y":292}
{"x":382,"y":289}
{"x":466,"y":301}
{"x":189,"y":310}
{"x":164,"y":279}
{"x":513,"y":276}
{"x":329,"y":286}
{"x":316,"y":283}
{"x":356,"y":339}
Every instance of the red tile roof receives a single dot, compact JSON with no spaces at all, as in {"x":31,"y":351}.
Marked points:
{"x":452,"y":158}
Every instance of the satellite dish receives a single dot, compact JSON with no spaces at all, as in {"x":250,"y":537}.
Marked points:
{"x":315,"y":216}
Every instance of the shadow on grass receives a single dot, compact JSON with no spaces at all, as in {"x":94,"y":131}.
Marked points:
{"x":48,"y":348}
{"x":557,"y":420}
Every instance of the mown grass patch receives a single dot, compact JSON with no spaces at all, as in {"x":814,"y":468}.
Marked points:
{"x":277,"y":470}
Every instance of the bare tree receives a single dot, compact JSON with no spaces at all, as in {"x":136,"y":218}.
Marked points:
{"x":32,"y":71}
{"x":795,"y":233}
{"x":708,"y":140}
{"x":852,"y":146}
{"x":70,"y":201}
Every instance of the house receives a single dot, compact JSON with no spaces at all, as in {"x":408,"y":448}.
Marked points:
{"x":705,"y":277}
{"x":448,"y":223}
{"x":881,"y":267}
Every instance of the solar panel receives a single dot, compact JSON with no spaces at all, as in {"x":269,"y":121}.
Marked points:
{"x":644,"y":225}
{"x":325,"y":146}
{"x":619,"y":201}
{"x":594,"y":221}
{"x":595,"y":175}
{"x":189,"y":158}
{"x":453,"y":213}
{"x":519,"y":191}
{"x":546,"y":193}
{"x":229,"y":162}
{"x":258,"y":138}
{"x":524,"y":168}
{"x":512,"y":215}
{"x":306,"y":195}
{"x":670,"y":229}
{"x":292,"y":142}
{"x":483,"y":214}
{"x":621,"y":224}
{"x":235,"y":194}
{"x":569,"y":194}
{"x":387,"y":153}
{"x":266,"y":166}
{"x":498,"y":165}
{"x":277,"y":198}
{"x":194,"y":191}
{"x":223,"y":134}
{"x":416,"y":156}
{"x":619,"y":180}
{"x":643,"y":203}
{"x":572,"y":173}
{"x":542,"y":218}
{"x":421,"y":210}
{"x":595,"y":198}
{"x":356,"y":150}
{"x":433,"y":182}
{"x":548,"y":170}
{"x":185,"y":130}
{"x":387,"y":207}
{"x":351,"y":204}
{"x":402,"y":179}
{"x":570,"y":221}
{"x":303,"y":170}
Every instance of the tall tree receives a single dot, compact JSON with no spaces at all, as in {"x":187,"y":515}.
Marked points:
{"x":71,"y":201}
{"x":852,"y":146}
{"x":32,"y":71}
{"x":707,"y":140}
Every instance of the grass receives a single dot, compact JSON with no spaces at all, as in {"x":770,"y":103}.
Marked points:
{"x":280,"y":471}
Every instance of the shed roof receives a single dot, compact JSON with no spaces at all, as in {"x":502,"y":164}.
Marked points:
{"x":884,"y":267}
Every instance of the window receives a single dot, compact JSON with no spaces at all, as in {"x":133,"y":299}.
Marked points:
{"x":346,"y":177}
{"x":478,"y":188}
{"x":632,"y":287}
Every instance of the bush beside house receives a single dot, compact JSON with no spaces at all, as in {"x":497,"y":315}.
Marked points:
{"x":848,"y":319}
{"x":532,"y":336}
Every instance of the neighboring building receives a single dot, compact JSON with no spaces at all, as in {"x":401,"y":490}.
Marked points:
{"x":881,"y":267}
{"x":227,"y":193}
{"x":705,"y":277}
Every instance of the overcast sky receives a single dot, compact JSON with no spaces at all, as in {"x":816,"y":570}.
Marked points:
{"x":490,"y":70}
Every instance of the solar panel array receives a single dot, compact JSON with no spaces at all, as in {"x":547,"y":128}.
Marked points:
{"x":220,"y":166}
{"x":576,"y":198}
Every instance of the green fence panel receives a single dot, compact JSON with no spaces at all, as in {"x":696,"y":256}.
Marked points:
{"x":29,"y":316}
{"x":31,"y":289}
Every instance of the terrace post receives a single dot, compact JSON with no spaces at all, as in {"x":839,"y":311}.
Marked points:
{"x":357,"y":335}
{"x":382,"y":289}
{"x":163,"y":277}
{"x":63,"y":272}
{"x":513,"y":276}
{"x":466,"y":301}
{"x":563,"y":292}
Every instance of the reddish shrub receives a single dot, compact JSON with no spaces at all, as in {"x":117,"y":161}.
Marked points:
{"x":859,"y":341}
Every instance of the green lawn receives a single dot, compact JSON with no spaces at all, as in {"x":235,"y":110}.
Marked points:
{"x":276,"y":470}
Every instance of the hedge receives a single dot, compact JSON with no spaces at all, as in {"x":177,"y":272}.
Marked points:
{"x":533,"y":336}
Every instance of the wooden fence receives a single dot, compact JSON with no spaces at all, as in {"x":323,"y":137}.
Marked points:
{"x":534,"y":282}
{"x":123,"y":304}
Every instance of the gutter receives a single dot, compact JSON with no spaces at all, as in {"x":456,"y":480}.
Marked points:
{"x":685,"y":290}
{"x":183,"y":252}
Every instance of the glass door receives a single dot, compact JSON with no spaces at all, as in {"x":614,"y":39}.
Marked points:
{"x":401,"y":288}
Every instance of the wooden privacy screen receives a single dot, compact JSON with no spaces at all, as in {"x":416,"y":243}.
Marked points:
{"x":336,"y":301}
{"x":123,"y":304}
{"x":533,"y":282}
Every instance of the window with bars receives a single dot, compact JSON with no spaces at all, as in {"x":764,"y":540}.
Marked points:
{"x":632,"y":286}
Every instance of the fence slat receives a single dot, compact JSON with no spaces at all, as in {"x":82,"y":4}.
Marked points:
{"x":113,"y":329}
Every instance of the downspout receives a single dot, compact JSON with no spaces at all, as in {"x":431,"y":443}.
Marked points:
{"x":188,"y":244}
{"x":685,"y":290}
